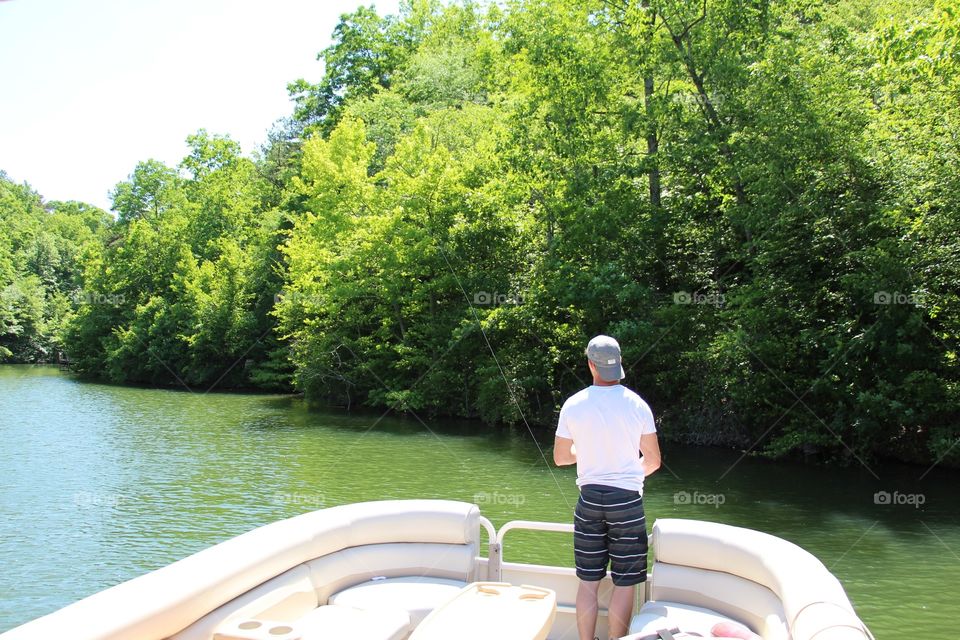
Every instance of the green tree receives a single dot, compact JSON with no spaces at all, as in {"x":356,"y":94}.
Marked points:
{"x":40,"y":285}
{"x":176,"y":302}
{"x":367,"y":49}
{"x":152,"y":189}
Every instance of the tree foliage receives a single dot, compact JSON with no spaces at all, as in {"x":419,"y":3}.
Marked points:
{"x":184,"y":294}
{"x":42,"y":246}
{"x":759,"y":199}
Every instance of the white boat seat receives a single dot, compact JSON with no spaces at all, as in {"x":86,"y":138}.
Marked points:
{"x":417,"y":595}
{"x":656,"y":615}
{"x":435,"y":539}
{"x":732,"y":596}
{"x":770,"y":584}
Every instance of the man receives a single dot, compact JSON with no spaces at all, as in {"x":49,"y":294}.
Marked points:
{"x":604,"y":430}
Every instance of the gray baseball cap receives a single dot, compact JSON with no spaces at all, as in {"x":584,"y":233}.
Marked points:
{"x":604,"y":353}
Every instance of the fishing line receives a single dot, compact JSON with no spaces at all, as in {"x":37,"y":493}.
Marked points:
{"x":503,"y":375}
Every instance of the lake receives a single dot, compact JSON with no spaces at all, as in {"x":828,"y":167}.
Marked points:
{"x":102,"y":483}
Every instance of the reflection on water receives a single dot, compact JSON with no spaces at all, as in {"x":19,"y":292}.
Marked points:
{"x":102,"y":483}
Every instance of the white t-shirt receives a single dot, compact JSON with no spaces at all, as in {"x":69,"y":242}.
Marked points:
{"x":605,"y":424}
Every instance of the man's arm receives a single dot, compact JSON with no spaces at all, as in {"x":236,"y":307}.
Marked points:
{"x":564,"y":452}
{"x":650,"y":450}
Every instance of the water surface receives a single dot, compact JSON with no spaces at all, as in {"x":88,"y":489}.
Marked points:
{"x":102,"y":483}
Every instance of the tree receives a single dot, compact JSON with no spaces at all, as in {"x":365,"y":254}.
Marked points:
{"x":175,"y":289}
{"x":40,"y":249}
{"x":366,"y":51}
{"x":150,"y":191}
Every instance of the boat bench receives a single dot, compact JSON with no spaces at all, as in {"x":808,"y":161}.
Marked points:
{"x":373,"y":568}
{"x":379,"y":608}
{"x":704,"y":573}
{"x":376,"y":573}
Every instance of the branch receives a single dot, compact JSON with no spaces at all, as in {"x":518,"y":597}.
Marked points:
{"x":703,"y":16}
{"x":622,"y":7}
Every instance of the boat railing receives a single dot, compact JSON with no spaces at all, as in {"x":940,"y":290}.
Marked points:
{"x":494,"y":557}
{"x":495,"y":570}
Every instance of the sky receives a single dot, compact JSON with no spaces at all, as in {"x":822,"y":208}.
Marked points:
{"x":90,"y":88}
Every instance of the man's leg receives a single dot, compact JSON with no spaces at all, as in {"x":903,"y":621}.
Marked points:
{"x":628,"y":558}
{"x":587,"y":609}
{"x":591,"y":557}
{"x":620,"y":611}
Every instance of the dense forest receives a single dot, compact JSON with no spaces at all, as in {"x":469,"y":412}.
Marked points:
{"x":758,"y":198}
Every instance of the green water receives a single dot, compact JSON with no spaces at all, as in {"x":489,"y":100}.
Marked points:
{"x":100,"y":483}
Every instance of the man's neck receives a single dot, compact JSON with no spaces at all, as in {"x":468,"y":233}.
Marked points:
{"x":604,"y":383}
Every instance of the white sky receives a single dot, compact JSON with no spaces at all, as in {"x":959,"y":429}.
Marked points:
{"x":90,"y":88}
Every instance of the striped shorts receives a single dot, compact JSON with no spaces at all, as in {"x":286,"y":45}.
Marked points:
{"x":609,"y":527}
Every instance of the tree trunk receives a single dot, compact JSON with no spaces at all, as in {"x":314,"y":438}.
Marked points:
{"x":653,"y":144}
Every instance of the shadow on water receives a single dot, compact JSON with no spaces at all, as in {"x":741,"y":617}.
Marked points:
{"x":300,"y":415}
{"x":899,"y":497}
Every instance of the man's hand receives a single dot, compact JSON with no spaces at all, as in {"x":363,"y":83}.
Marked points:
{"x":564,"y":452}
{"x":650,"y":452}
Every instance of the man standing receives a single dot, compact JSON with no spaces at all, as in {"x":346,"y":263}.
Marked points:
{"x":604,"y":430}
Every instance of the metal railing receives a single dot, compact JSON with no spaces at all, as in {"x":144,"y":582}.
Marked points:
{"x":495,"y":570}
{"x":494,"y":557}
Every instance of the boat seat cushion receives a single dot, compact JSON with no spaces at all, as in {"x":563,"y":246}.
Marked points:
{"x":338,"y":571}
{"x":811,"y":599}
{"x":416,"y":595}
{"x":655,"y":615}
{"x":729,"y":595}
{"x":337,"y":621}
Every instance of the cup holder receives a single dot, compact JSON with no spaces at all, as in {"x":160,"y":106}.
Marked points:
{"x":281,"y":630}
{"x":258,"y":630}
